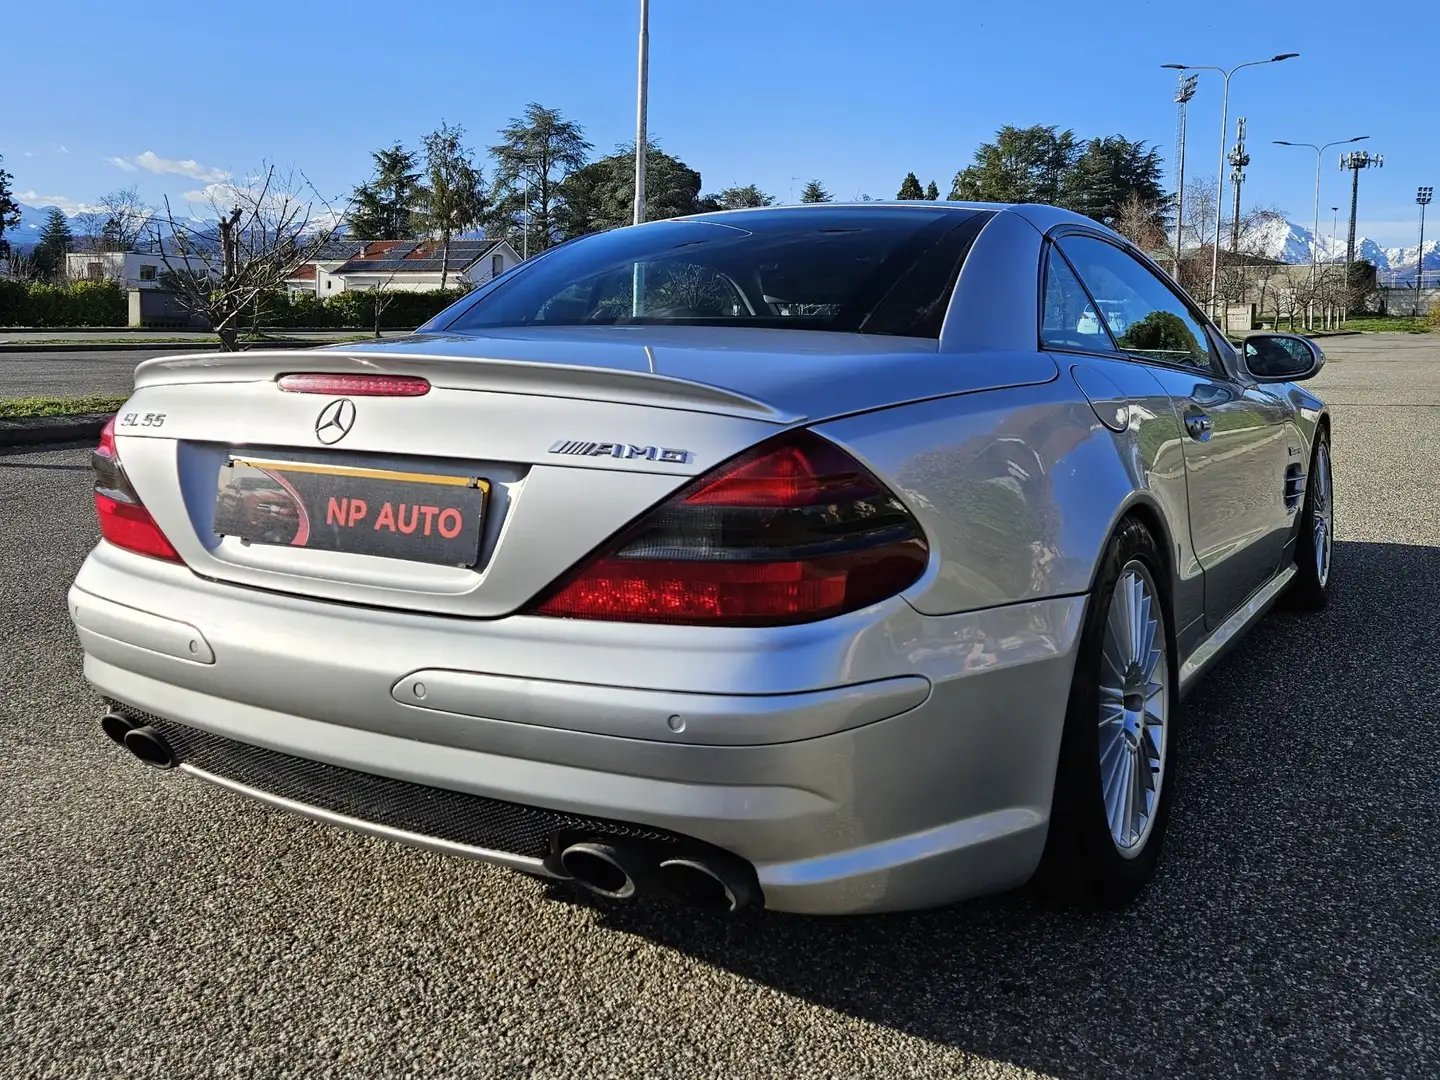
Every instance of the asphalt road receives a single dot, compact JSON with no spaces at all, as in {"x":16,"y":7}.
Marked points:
{"x":67,"y":374}
{"x":150,"y":926}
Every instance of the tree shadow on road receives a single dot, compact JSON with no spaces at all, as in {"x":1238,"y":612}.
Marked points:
{"x":1292,"y":929}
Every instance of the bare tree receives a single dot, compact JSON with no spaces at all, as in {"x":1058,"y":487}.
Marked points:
{"x":1289,"y":299}
{"x":90,"y":231}
{"x":263,"y":228}
{"x":126,"y":219}
{"x":1264,"y":272}
{"x":1197,"y":234}
{"x":382,"y":293}
{"x":1140,"y":222}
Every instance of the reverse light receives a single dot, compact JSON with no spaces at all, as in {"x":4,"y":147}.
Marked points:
{"x":792,"y":531}
{"x":124,"y":521}
{"x":319,"y":382}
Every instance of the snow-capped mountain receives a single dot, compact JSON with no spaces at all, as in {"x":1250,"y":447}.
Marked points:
{"x":32,"y":220}
{"x":1292,"y":243}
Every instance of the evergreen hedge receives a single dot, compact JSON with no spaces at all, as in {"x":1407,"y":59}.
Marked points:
{"x":79,"y":303}
{"x":351,"y":310}
{"x":105,"y":303}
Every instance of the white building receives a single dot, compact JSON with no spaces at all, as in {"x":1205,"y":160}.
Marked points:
{"x":132,"y":269}
{"x":401,"y":265}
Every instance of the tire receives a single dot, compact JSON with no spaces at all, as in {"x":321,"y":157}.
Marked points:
{"x":1099,"y":854}
{"x":1310,"y":588}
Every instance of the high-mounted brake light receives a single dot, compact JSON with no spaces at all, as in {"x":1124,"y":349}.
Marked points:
{"x":792,"y":531}
{"x":124,"y":521}
{"x":319,"y":382}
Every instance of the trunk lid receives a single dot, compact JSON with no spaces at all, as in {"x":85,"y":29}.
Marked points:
{"x":572,"y":434}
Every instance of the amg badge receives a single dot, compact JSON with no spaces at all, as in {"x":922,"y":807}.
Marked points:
{"x":580,"y":448}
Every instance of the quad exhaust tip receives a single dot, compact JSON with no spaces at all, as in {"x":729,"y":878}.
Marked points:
{"x":140,"y":739}
{"x":614,"y":871}
{"x":619,"y":871}
{"x":116,"y":726}
{"x":707,"y":883}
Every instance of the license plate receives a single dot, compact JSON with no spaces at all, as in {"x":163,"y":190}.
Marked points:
{"x":421,"y":517}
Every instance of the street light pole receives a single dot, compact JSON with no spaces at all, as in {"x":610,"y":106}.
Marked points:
{"x":1315,"y":235}
{"x":1423,"y":197}
{"x":1220,"y":168}
{"x":640,"y":102}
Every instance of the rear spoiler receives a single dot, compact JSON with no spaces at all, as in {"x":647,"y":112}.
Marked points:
{"x":541,"y":378}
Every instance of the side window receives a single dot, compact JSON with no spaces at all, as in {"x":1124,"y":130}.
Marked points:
{"x":1146,"y":319}
{"x":1070,"y":320}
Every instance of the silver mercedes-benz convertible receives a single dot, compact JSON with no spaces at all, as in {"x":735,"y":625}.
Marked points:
{"x":833,"y":559}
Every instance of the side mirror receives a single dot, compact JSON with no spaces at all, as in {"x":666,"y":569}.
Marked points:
{"x":1271,"y":358}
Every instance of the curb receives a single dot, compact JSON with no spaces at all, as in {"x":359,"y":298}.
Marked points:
{"x":37,"y":430}
{"x":194,"y":346}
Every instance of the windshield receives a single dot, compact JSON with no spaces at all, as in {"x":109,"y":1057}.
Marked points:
{"x":878,"y":270}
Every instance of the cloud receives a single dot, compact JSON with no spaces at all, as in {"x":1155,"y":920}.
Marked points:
{"x":221,"y":192}
{"x":70,"y":206}
{"x":121,"y":163}
{"x":153,"y":162}
{"x":58,"y":148}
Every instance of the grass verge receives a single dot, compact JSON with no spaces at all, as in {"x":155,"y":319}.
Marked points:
{"x":26,"y":407}
{"x":1389,"y":324}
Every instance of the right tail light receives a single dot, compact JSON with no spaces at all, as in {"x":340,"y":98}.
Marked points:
{"x":792,"y":531}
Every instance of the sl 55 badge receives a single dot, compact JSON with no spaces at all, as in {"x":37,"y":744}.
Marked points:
{"x":624,"y":451}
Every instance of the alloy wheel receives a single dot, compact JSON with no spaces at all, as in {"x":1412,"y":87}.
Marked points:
{"x":1323,"y":515}
{"x":1134,"y":709}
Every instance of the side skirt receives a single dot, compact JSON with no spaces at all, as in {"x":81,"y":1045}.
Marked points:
{"x":1212,"y":648}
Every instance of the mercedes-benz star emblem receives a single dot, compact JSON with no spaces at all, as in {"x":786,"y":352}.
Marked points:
{"x":335,"y":421}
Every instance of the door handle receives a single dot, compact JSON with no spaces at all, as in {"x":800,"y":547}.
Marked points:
{"x":1199,"y":425}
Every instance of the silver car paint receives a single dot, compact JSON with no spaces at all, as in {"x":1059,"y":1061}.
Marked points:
{"x":847,"y":789}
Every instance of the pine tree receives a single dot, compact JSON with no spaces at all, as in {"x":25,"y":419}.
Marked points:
{"x":601,"y":195}
{"x":910,"y":188}
{"x":533,"y":158}
{"x":931,"y":191}
{"x":740,"y":198}
{"x":1022,"y":165}
{"x":55,"y":241}
{"x":384,"y":208}
{"x":815,"y":192}
{"x":9,"y":208}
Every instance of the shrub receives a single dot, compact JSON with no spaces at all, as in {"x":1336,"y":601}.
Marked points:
{"x":106,"y":303}
{"x":354,"y":310}
{"x":77,"y":303}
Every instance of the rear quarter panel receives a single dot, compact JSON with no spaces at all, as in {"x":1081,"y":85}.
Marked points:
{"x":1018,"y":490}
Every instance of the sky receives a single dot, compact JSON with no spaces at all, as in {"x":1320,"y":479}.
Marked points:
{"x":171,"y":97}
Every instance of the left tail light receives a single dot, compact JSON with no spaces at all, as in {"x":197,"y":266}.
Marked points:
{"x":124,"y":521}
{"x":792,"y":531}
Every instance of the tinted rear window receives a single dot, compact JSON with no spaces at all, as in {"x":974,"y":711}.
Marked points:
{"x":878,"y":270}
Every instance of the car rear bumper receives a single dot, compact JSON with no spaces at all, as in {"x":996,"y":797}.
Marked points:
{"x":881,"y":761}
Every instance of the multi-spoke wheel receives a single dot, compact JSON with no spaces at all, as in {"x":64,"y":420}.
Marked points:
{"x":1134,"y":709}
{"x":1315,"y":547}
{"x":1112,"y":781}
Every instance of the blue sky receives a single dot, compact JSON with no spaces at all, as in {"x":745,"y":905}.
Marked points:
{"x":853,"y":92}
